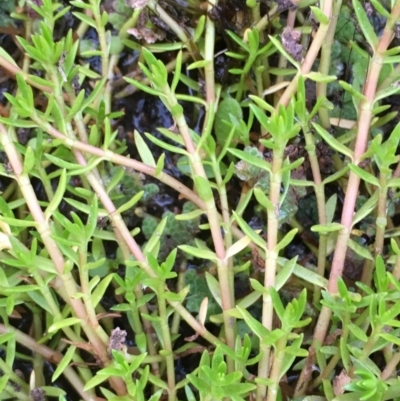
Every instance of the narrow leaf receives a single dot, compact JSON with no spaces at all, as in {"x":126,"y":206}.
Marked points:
{"x":64,"y":363}
{"x":333,"y":142}
{"x":63,"y":323}
{"x":365,"y":25}
{"x":364,"y":175}
{"x":145,"y":153}
{"x":238,"y":246}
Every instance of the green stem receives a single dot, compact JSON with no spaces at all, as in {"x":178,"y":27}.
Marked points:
{"x":325,"y":63}
{"x":311,"y":55}
{"x":209,"y":56}
{"x":270,"y":260}
{"x":213,"y":219}
{"x":175,"y":325}
{"x":102,"y":37}
{"x":279,"y":355}
{"x":167,"y":344}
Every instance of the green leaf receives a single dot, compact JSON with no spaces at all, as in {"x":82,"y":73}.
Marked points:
{"x":6,"y":337}
{"x":18,"y":123}
{"x":155,"y":238}
{"x":176,"y":297}
{"x":3,"y":382}
{"x":32,"y":51}
{"x":214,"y":287}
{"x":365,"y":25}
{"x":222,"y":123}
{"x":190,"y":216}
{"x":287,"y":239}
{"x":364,"y":175}
{"x":29,"y":160}
{"x":177,"y":72}
{"x":250,"y":232}
{"x":391,"y":338}
{"x":101,"y":288}
{"x":18,"y":223}
{"x":285,"y":273}
{"x":331,"y":208}
{"x":291,"y":352}
{"x":58,"y":196}
{"x":145,"y":153}
{"x":318,"y":77}
{"x":144,"y":88}
{"x":366,"y":208}
{"x":357,"y":332}
{"x":84,"y":18}
{"x":64,"y":363}
{"x":353,"y":92}
{"x":198,"y":64}
{"x":11,"y":344}
{"x":258,"y":287}
{"x":63,"y":323}
{"x":92,"y":163}
{"x":26,"y":92}
{"x":239,"y":41}
{"x":203,"y":188}
{"x":128,"y":205}
{"x":333,"y":142}
{"x":344,"y":352}
{"x":164,"y":145}
{"x":261,"y":103}
{"x":237,"y":247}
{"x":76,"y":106}
{"x":282,"y":50}
{"x":259,"y":330}
{"x":7,"y":57}
{"x":94,"y":94}
{"x":199,"y":28}
{"x":95,"y":381}
{"x":380,"y":8}
{"x":199,"y":253}
{"x":61,"y":163}
{"x":307,"y":274}
{"x":360,"y":250}
{"x":326,"y":228}
{"x":160,"y":164}
{"x":319,"y":15}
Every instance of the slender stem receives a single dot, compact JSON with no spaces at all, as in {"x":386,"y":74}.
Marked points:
{"x":390,"y":368}
{"x":360,"y":146}
{"x":179,"y":287}
{"x":167,"y":344}
{"x":209,"y":55}
{"x":279,"y":355}
{"x":354,"y":181}
{"x":381,"y":222}
{"x":213,"y":218}
{"x":327,"y":371}
{"x":104,"y":46}
{"x":325,"y":62}
{"x":316,"y":45}
{"x":270,"y":260}
{"x":52,"y":357}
